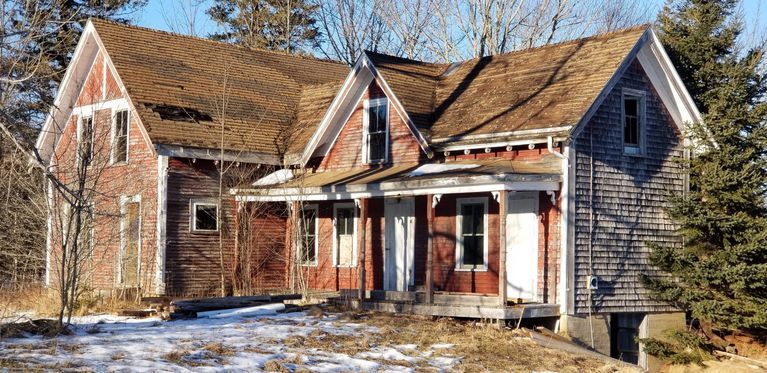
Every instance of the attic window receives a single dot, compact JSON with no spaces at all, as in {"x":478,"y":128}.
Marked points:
{"x":633,"y":122}
{"x":180,"y":114}
{"x":376,"y":131}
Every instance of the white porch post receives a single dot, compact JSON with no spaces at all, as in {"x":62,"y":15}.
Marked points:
{"x":503,"y":200}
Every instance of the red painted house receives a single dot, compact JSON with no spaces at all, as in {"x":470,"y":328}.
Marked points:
{"x":520,"y":185}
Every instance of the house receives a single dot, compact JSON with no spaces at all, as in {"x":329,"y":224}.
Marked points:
{"x":523,"y":185}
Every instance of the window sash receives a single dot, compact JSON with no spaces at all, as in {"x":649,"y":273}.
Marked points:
{"x":632,"y":123}
{"x":376,"y":130}
{"x":86,"y":139}
{"x":345,"y":236}
{"x":308,"y":244}
{"x":120,"y":139}
{"x":472,"y":232}
{"x":204,"y":208}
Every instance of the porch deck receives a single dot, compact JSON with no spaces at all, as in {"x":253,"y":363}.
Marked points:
{"x":445,"y":304}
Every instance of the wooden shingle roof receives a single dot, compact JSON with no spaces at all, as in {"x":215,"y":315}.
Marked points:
{"x":540,"y":88}
{"x":184,"y":87}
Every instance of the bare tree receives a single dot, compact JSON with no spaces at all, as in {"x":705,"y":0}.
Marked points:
{"x":184,"y":16}
{"x":351,"y":26}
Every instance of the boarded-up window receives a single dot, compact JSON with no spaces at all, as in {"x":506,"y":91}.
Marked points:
{"x":131,"y":241}
{"x":472,"y":245}
{"x":120,"y":140}
{"x":204,"y":217}
{"x":308,"y":244}
{"x":625,"y":330}
{"x":344,"y":228}
{"x":376,"y":130}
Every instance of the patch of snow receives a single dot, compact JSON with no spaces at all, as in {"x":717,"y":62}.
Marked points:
{"x":441,"y":346}
{"x":264,"y":310}
{"x":436,"y":168}
{"x":387,"y":354}
{"x":276,"y":177}
{"x":408,"y":347}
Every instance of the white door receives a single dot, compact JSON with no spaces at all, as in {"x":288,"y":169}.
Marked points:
{"x":522,"y":246}
{"x":399,"y":225}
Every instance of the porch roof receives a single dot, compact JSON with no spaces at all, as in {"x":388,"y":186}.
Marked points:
{"x":411,"y":179}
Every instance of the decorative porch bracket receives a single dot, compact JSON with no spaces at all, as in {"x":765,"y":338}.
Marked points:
{"x":553,"y":196}
{"x":435,"y":198}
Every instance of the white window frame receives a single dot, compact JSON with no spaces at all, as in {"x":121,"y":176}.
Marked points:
{"x":459,"y":266}
{"x":114,"y":136}
{"x":640,"y":96}
{"x":80,"y":128}
{"x":123,"y":226}
{"x":336,"y":207}
{"x":300,"y":242}
{"x":367,"y":105}
{"x":193,"y":215}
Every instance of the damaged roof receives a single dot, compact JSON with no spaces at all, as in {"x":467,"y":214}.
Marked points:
{"x":184,"y":87}
{"x":543,"y":88}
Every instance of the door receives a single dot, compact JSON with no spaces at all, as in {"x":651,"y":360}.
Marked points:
{"x":522,"y":246}
{"x":399,"y":226}
{"x":131,"y":241}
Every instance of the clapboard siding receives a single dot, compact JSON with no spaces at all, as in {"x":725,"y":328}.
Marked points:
{"x":629,"y":195}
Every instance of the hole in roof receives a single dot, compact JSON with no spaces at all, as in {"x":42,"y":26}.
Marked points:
{"x":180,"y":114}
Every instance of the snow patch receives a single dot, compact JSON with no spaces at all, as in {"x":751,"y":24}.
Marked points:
{"x":276,"y":177}
{"x":437,"y":168}
{"x":267,"y":309}
{"x":441,"y":346}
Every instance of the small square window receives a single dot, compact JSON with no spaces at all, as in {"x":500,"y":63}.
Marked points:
{"x":205,"y":217}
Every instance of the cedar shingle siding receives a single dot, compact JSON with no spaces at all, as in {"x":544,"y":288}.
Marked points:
{"x":629,"y":193}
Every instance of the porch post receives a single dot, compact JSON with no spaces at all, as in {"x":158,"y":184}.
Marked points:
{"x":430,"y":248}
{"x":362,"y":247}
{"x":503,"y":200}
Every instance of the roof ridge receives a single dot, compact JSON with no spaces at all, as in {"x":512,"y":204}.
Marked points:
{"x":223,"y":43}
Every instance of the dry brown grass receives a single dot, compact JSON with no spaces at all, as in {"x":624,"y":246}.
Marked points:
{"x":481,"y":347}
{"x":276,"y":365}
{"x":36,"y":300}
{"x":219,"y":349}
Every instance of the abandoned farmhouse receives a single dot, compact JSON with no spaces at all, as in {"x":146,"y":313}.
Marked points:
{"x":522,"y":185}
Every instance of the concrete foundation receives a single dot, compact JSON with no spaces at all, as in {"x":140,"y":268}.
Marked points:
{"x":656,"y":326}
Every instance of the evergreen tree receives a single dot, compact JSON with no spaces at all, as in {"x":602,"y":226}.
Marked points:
{"x":284,"y":25}
{"x":720,"y":273}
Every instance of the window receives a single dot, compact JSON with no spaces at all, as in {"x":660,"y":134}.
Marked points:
{"x":120,"y":137}
{"x":376,"y":140}
{"x":85,"y":137}
{"x":344,"y":240}
{"x":471,"y":248}
{"x":633,"y":122}
{"x":308,"y":245}
{"x":131,"y":241}
{"x":204,"y":217}
{"x":626,"y":327}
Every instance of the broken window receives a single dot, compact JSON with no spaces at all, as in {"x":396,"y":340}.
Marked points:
{"x":308,"y":244}
{"x":472,"y":225}
{"x":131,"y":240}
{"x":376,"y":130}
{"x":205,"y":217}
{"x":120,"y":139}
{"x":632,"y":123}
{"x":344,"y":232}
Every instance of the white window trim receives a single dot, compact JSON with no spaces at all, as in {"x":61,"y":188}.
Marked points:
{"x":123,"y":201}
{"x":114,"y":136}
{"x":80,"y":129}
{"x":193,"y":215}
{"x":299,"y":244}
{"x":641,"y":96}
{"x":367,"y":104}
{"x":336,"y":207}
{"x":459,"y":237}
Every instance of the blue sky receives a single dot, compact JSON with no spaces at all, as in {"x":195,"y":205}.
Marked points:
{"x":158,"y":13}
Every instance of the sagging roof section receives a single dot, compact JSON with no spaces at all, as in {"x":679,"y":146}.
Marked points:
{"x":184,"y":87}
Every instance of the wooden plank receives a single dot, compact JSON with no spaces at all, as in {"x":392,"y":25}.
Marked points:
{"x":760,"y":363}
{"x":503,"y":201}
{"x":430,"y":250}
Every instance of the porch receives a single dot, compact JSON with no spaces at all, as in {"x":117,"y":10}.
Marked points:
{"x":459,"y":240}
{"x":445,"y":304}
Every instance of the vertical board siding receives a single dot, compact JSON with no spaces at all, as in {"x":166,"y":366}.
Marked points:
{"x":629,"y":196}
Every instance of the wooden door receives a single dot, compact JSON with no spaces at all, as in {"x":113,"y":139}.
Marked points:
{"x":131,"y":241}
{"x":522,"y":246}
{"x":399,"y":224}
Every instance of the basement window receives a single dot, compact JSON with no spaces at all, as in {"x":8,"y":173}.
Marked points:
{"x":625,"y":329}
{"x":120,"y":137}
{"x":376,"y":131}
{"x":471,"y":235}
{"x":633,"y":122}
{"x":204,"y":217}
{"x":308,"y":244}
